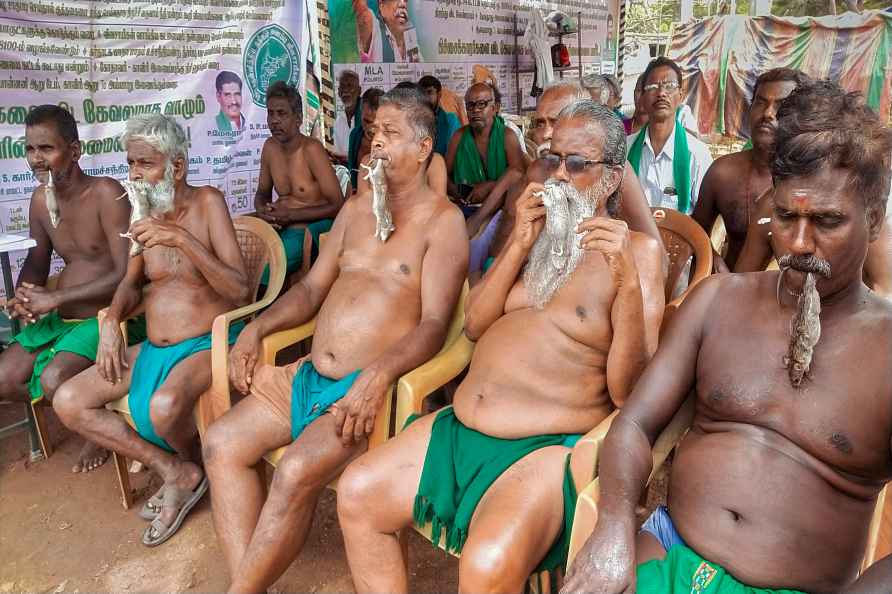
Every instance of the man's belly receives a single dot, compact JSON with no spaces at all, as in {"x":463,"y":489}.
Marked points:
{"x":762,"y":510}
{"x":529,"y":378}
{"x":79,"y":272}
{"x":363,"y":316}
{"x":177,"y":310}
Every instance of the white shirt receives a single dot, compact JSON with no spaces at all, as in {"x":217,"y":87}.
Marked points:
{"x":342,"y":132}
{"x":376,"y":45}
{"x":655,"y":172}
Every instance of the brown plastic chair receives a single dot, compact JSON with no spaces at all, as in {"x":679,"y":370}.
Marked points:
{"x":587,"y":504}
{"x":682,"y":238}
{"x":260,"y":246}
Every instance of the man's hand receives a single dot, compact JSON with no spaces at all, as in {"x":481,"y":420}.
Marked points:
{"x":151,"y":232}
{"x":474,"y":223}
{"x":16,"y":310}
{"x":110,"y":356}
{"x":612,"y":238}
{"x":480,"y":192}
{"x":243,"y":358}
{"x":529,"y":219}
{"x":355,"y":413}
{"x":279,"y":213}
{"x":36,"y":300}
{"x":605,"y":564}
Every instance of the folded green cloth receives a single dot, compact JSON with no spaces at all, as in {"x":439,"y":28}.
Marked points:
{"x":681,"y":163}
{"x":460,"y":466}
{"x":152,"y":366}
{"x":468,"y":167}
{"x":683,"y":571}
{"x":58,"y":335}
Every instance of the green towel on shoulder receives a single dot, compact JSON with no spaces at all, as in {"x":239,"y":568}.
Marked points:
{"x":681,"y":163}
{"x":469,"y":168}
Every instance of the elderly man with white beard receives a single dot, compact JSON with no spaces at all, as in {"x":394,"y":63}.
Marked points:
{"x":190,"y":255}
{"x":565,"y":321}
{"x":383,"y":292}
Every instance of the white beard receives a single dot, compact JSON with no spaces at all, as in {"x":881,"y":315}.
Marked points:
{"x":383,"y":218}
{"x":556,"y":253}
{"x":147,"y":199}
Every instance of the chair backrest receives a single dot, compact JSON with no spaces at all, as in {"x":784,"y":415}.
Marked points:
{"x":260,"y":246}
{"x":683,"y":238}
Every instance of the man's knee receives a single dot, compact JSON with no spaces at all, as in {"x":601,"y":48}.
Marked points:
{"x":166,"y":411}
{"x":489,"y":567}
{"x":356,"y":490}
{"x":55,"y":374}
{"x":67,"y":404}
{"x":220,"y":445}
{"x":298,"y":474}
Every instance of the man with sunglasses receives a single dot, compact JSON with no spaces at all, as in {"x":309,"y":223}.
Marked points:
{"x":493,"y":473}
{"x":482,"y":152}
{"x":670,"y":162}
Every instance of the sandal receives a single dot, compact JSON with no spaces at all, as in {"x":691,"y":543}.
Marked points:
{"x":152,"y":507}
{"x":157,"y":532}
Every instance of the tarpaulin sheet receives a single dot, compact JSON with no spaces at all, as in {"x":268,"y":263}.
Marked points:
{"x":722,"y":56}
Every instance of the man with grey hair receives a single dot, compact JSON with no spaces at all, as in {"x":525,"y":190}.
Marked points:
{"x":634,"y":209}
{"x":185,"y":246}
{"x":382,"y":293}
{"x":550,"y":363}
{"x":349,"y":91}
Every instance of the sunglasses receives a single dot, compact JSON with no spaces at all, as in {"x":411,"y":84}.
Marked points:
{"x":666,"y":85}
{"x":574,"y":163}
{"x":481,"y":105}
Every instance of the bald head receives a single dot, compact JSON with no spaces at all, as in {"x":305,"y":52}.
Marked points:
{"x":555,"y":98}
{"x":482,"y":104}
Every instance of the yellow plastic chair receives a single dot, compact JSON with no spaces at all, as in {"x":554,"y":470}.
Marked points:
{"x":260,"y":246}
{"x":219,"y":401}
{"x":587,"y":503}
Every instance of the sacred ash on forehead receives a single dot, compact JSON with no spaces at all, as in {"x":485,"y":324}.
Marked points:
{"x":383,"y":218}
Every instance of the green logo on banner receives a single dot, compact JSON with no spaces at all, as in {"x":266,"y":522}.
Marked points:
{"x":271,"y":54}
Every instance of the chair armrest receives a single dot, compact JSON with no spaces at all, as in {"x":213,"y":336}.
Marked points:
{"x":584,"y":458}
{"x":277,"y":341}
{"x":587,"y":503}
{"x":416,"y":385}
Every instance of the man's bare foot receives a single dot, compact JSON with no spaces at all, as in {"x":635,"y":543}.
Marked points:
{"x":91,"y":457}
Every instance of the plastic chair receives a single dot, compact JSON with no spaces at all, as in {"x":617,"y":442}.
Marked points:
{"x":587,"y":504}
{"x":219,"y":401}
{"x":683,"y":239}
{"x":260,"y":245}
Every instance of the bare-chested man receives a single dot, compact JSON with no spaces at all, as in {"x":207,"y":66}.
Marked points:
{"x":192,"y":260}
{"x":482,"y":152}
{"x":566,"y":320}
{"x":734,"y":183}
{"x":76,"y":215}
{"x":756,"y":252}
{"x":776,"y":482}
{"x":383,"y":292}
{"x":298,"y":168}
{"x":633,"y":205}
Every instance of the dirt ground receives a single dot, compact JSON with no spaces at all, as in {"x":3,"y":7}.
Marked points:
{"x":61,"y":532}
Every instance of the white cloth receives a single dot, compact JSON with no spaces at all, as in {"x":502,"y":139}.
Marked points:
{"x":536,"y":38}
{"x":655,"y":171}
{"x":342,"y":132}
{"x":687,"y":119}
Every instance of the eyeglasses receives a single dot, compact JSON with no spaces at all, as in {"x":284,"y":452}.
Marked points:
{"x":475,"y":105}
{"x":666,"y":85}
{"x":574,"y":163}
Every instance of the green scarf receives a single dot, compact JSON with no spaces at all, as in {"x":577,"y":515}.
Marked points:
{"x":224,"y":124}
{"x":681,"y":163}
{"x":469,"y":167}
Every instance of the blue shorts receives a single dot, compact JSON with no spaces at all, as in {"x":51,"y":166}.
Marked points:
{"x":661,"y":526}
